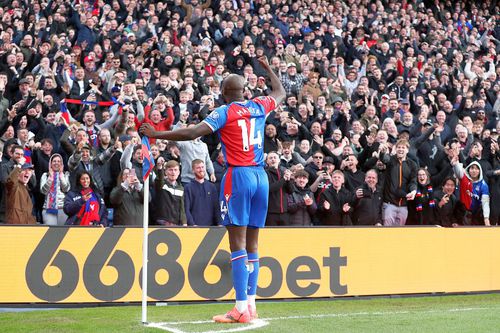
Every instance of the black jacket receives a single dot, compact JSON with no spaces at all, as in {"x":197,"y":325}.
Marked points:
{"x":353,"y":180}
{"x":368,"y":209}
{"x":278,"y":190}
{"x":300,"y":213}
{"x":335,"y":214}
{"x":168,"y":201}
{"x":400,"y":179}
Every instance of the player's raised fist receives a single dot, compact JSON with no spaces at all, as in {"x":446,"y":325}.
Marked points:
{"x":264,"y":62}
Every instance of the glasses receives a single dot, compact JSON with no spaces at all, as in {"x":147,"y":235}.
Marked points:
{"x":318,"y":157}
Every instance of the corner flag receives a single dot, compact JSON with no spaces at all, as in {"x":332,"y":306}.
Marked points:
{"x":148,"y":161}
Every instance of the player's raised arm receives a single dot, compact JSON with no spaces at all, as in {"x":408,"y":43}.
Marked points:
{"x":278,"y":92}
{"x":182,"y":134}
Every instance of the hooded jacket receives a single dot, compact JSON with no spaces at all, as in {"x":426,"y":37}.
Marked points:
{"x":475,"y":195}
{"x":62,"y":189}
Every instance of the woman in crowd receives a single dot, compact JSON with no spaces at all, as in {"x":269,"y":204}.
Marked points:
{"x":422,"y":210}
{"x":54,"y":185}
{"x":84,"y":205}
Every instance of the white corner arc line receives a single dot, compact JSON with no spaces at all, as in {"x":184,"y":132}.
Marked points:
{"x":257,"y":323}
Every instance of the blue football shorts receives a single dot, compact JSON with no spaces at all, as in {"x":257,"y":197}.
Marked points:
{"x":244,"y":196}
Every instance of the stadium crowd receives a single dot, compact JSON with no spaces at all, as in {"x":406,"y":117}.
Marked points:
{"x":391,"y":115}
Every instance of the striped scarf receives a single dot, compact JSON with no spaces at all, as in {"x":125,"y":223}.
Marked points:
{"x":52,"y":195}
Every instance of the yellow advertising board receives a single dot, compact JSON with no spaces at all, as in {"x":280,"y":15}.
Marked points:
{"x":77,"y":264}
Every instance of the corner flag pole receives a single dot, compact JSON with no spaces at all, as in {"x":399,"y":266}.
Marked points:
{"x":145,"y":253}
{"x":147,"y":166}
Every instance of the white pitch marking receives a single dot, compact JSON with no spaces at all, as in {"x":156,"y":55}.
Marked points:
{"x":258,"y":323}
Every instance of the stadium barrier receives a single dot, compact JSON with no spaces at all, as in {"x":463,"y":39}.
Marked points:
{"x":85,"y":264}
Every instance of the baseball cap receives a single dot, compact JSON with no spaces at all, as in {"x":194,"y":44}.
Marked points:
{"x":88,"y":59}
{"x":337,"y":99}
{"x":27,"y":166}
{"x":404,"y":101}
{"x":291,"y":64}
{"x":124,"y":138}
{"x":428,"y":122}
{"x":328,"y":159}
{"x":23,"y":81}
{"x":385,"y":96}
{"x":115,"y":89}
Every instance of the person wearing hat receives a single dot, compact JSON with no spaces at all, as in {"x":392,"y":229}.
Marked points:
{"x":19,"y":207}
{"x":292,"y":81}
{"x":24,"y":90}
{"x":310,"y":89}
{"x":54,"y":185}
{"x":324,"y":180}
{"x":301,"y":203}
{"x":84,"y":159}
{"x":16,"y":160}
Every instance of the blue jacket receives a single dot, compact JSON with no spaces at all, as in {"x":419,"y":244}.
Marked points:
{"x":74,"y":202}
{"x":201,"y":201}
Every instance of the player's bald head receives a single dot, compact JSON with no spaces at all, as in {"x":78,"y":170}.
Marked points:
{"x":233,"y":87}
{"x":233,"y":82}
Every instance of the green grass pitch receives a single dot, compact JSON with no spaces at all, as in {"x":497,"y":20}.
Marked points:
{"x":468,"y":313}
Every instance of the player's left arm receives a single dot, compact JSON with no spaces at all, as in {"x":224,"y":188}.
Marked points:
{"x":277,"y":92}
{"x":181,"y":134}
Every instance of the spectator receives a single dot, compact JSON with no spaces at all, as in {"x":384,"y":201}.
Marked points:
{"x":367,"y":207}
{"x":169,"y":195}
{"x":301,"y":203}
{"x":422,"y":210}
{"x":474,"y":192}
{"x":201,"y":198}
{"x":450,"y":210}
{"x":84,"y":205}
{"x":127,"y":199}
{"x":400,"y":185}
{"x":54,"y":185}
{"x":84,"y":160}
{"x":335,"y":203}
{"x":280,"y":186}
{"x":191,"y":150}
{"x":19,"y":206}
{"x":354,"y":177}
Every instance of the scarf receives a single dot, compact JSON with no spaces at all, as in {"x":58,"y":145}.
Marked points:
{"x":94,"y":140}
{"x":421,"y":199}
{"x":52,"y":195}
{"x":90,"y":211}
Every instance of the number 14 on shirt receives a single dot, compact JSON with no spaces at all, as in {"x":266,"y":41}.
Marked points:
{"x":249,"y":138}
